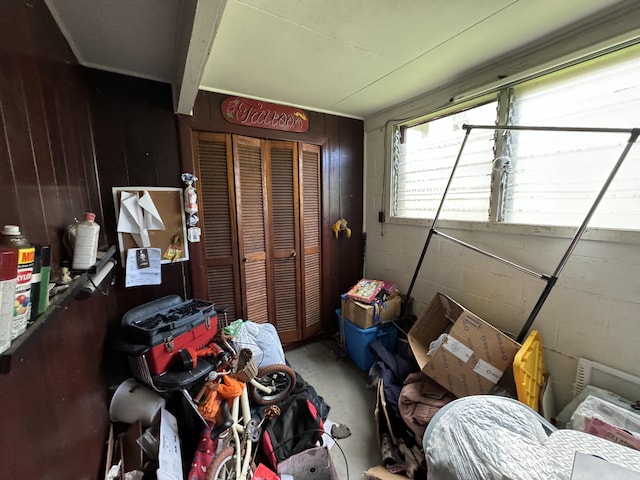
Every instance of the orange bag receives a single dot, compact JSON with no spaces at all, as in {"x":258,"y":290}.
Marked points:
{"x":211,"y":405}
{"x":230,"y":388}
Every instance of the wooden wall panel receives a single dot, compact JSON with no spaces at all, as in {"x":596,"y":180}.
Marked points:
{"x":136,"y":144}
{"x":54,"y":404}
{"x":67,"y":135}
{"x":341,"y":140}
{"x":45,"y":125}
{"x":54,"y":401}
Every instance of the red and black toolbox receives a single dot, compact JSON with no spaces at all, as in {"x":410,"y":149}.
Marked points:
{"x":168,"y":325}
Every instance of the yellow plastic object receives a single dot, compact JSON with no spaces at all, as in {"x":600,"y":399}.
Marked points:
{"x":528,"y":370}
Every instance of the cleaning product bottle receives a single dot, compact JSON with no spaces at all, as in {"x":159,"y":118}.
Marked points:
{"x":12,"y":238}
{"x":85,"y":249}
{"x":8,"y":280}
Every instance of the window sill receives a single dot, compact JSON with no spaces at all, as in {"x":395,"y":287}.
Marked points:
{"x":592,"y":234}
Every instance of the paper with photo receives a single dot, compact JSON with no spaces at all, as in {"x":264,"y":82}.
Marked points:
{"x":143,"y":267}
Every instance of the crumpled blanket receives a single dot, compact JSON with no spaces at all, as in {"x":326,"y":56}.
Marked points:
{"x":483,"y":437}
{"x":420,"y":399}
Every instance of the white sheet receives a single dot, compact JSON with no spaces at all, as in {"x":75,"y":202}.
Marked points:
{"x":494,"y":438}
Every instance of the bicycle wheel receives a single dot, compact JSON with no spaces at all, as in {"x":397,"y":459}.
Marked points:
{"x":223,"y":466}
{"x":279,"y":379}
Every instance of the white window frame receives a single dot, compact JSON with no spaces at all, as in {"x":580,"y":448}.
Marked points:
{"x":592,"y":233}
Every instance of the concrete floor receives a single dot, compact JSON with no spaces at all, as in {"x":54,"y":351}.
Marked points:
{"x":343,"y":386}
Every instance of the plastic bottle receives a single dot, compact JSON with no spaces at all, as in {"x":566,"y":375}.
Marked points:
{"x":45,"y":277}
{"x":85,"y":249}
{"x":39,"y":281}
{"x":8,"y":280}
{"x":12,"y":238}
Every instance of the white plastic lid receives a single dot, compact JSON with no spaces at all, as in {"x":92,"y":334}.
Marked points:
{"x":89,"y":216}
{"x":11,"y":230}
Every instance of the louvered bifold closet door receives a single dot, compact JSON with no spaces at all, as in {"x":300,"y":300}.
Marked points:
{"x":251,"y":190}
{"x":217,"y":219}
{"x":286,"y":238}
{"x":310,"y":213}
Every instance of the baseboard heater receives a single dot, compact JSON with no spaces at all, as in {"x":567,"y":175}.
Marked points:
{"x":608,"y":378}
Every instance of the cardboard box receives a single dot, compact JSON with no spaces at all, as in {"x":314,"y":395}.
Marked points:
{"x":366,"y":315}
{"x":125,"y":452}
{"x":380,"y":472}
{"x":473,"y":356}
{"x":124,"y":455}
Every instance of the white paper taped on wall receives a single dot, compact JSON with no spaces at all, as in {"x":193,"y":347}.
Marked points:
{"x":138,"y":215}
{"x":143,"y":267}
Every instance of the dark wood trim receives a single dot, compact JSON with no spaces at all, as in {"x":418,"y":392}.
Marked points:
{"x":298,"y":248}
{"x":188,"y":161}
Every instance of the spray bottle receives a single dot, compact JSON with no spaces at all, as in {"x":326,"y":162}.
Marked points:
{"x":12,"y":238}
{"x":8,"y":281}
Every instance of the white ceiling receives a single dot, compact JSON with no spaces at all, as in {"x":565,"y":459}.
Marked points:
{"x":348,"y":57}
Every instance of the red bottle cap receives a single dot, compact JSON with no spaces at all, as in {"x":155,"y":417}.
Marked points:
{"x":89,"y":216}
{"x":8,"y":264}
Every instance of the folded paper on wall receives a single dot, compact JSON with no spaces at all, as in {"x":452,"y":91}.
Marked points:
{"x":138,"y":215}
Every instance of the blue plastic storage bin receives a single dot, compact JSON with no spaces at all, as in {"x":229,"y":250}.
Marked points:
{"x":358,"y":339}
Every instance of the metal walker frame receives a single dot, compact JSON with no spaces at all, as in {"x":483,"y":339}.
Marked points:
{"x":552,"y":278}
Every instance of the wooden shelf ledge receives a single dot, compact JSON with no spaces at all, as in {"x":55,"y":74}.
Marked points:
{"x":57,"y":304}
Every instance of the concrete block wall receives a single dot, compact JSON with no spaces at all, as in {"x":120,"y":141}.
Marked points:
{"x":592,"y":312}
{"x":594,"y":309}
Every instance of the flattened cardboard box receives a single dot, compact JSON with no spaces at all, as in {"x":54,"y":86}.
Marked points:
{"x":365,"y":315}
{"x":474,"y":355}
{"x":380,"y":472}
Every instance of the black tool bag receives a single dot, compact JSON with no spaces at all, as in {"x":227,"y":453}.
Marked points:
{"x":298,"y":428}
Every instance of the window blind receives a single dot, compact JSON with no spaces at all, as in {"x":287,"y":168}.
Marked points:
{"x":424,"y":160}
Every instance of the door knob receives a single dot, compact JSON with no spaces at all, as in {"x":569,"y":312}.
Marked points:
{"x":293,"y":253}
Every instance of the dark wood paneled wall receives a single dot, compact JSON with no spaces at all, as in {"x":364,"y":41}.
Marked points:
{"x":342,"y":141}
{"x":53,"y":403}
{"x":67,"y":135}
{"x":46,"y":151}
{"x":136,"y":142}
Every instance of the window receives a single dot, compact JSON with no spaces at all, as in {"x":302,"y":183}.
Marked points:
{"x":425,"y":159}
{"x":523,"y":176}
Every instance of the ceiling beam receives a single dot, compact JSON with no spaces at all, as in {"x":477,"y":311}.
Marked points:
{"x":199,"y":32}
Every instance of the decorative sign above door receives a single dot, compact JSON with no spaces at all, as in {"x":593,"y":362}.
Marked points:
{"x":255,"y":113}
